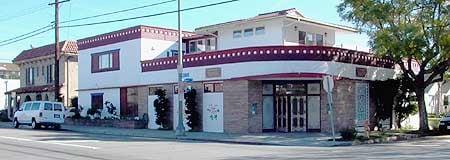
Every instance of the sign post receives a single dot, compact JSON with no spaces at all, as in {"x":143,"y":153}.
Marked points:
{"x":328,"y":85}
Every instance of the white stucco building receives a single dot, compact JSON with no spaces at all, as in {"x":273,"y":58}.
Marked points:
{"x":261,"y":74}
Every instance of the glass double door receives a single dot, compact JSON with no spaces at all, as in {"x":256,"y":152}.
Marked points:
{"x":290,"y":113}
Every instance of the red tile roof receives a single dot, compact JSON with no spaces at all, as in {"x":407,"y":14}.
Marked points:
{"x":66,"y":46}
{"x":33,"y":89}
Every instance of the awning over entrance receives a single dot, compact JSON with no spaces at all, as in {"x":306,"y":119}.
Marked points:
{"x":33,"y":89}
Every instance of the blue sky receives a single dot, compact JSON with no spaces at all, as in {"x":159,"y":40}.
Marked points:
{"x":22,"y":16}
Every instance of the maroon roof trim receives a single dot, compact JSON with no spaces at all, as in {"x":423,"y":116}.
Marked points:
{"x":131,"y":33}
{"x":281,"y":75}
{"x":66,"y":46}
{"x":269,"y":53}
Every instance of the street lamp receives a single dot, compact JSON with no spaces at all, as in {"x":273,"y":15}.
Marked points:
{"x":180,"y":131}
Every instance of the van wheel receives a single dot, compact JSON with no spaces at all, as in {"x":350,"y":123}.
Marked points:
{"x":57,"y":127}
{"x":34,"y":125}
{"x":16,"y":123}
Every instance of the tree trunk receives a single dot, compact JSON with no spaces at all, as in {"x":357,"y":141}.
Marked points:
{"x":420,"y":93}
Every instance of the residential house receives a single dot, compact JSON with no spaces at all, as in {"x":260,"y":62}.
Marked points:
{"x":261,"y":74}
{"x":9,"y":80}
{"x":37,"y":70}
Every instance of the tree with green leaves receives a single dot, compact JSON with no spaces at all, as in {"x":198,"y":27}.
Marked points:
{"x":193,"y":115}
{"x":162,"y":109}
{"x":408,"y":32}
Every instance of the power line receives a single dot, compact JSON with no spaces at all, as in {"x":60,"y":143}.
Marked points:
{"x":18,"y":15}
{"x":120,"y":11}
{"x":38,"y":33}
{"x":23,"y":35}
{"x":151,"y":15}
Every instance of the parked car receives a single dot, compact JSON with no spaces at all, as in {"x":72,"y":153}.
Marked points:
{"x":40,"y":113}
{"x":444,"y":123}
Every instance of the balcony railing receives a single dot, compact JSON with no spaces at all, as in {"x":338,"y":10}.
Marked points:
{"x":270,"y":53}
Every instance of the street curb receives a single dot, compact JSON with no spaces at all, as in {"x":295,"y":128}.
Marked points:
{"x":390,"y":139}
{"x":177,"y":138}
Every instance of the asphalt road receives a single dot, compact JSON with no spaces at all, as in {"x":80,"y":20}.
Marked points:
{"x":27,"y":144}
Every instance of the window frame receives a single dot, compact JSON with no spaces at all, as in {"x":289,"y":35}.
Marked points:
{"x":317,"y":40}
{"x":260,"y":31}
{"x":113,"y":59}
{"x":248,"y":32}
{"x":237,"y":34}
{"x":214,"y":87}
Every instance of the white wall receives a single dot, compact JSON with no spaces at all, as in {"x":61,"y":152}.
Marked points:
{"x":110,"y":95}
{"x":152,"y":113}
{"x":235,"y":70}
{"x":291,"y":35}
{"x":212,"y":112}
{"x":272,"y":36}
{"x":152,"y":48}
{"x":12,"y":84}
{"x":131,"y":54}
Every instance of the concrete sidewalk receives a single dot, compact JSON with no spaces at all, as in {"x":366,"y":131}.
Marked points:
{"x":280,"y":139}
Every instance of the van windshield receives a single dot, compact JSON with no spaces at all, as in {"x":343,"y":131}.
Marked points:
{"x":57,"y":107}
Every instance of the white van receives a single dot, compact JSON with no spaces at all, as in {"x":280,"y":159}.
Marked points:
{"x":40,"y":113}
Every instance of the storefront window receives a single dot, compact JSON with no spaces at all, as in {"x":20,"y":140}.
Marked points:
{"x":213,"y":87}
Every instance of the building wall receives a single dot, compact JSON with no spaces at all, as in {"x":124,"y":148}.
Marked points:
{"x":7,"y":85}
{"x":41,"y":75}
{"x":111,"y":95}
{"x":255,"y":91}
{"x":272,"y":36}
{"x":291,"y":32}
{"x":129,"y":58}
{"x":344,"y":106}
{"x":235,"y":105}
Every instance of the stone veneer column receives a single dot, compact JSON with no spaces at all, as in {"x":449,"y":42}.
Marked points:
{"x":142,"y":100}
{"x":235,"y":106}
{"x":255,"y":96}
{"x":238,"y":96}
{"x":344,"y":106}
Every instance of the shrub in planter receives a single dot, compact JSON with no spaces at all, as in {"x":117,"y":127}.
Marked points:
{"x":348,"y":134}
{"x":193,"y":117}
{"x":162,"y":109}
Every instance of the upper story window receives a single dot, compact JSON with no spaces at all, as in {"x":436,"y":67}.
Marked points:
{"x":192,"y":47}
{"x":302,"y":37}
{"x":248,"y":32}
{"x":237,"y":34}
{"x":260,"y":31}
{"x":30,"y":75}
{"x":211,"y":44}
{"x":50,"y":72}
{"x":319,"y":39}
{"x":105,"y":61}
{"x":308,"y":38}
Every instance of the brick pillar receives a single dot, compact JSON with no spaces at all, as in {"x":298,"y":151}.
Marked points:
{"x":236,"y":106}
{"x":255,"y":97}
{"x":344,"y":106}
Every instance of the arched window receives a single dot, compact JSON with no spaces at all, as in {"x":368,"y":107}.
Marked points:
{"x":27,"y":98}
{"x":39,"y":97}
{"x":46,"y":97}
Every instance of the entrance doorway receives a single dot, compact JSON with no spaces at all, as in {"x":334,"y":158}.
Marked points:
{"x":290,"y":113}
{"x":291,"y":106}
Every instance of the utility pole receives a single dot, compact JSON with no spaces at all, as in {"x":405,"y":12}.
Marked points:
{"x":180,"y":131}
{"x":57,"y":49}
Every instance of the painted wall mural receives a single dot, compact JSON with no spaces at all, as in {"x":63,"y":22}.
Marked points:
{"x":213,"y":112}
